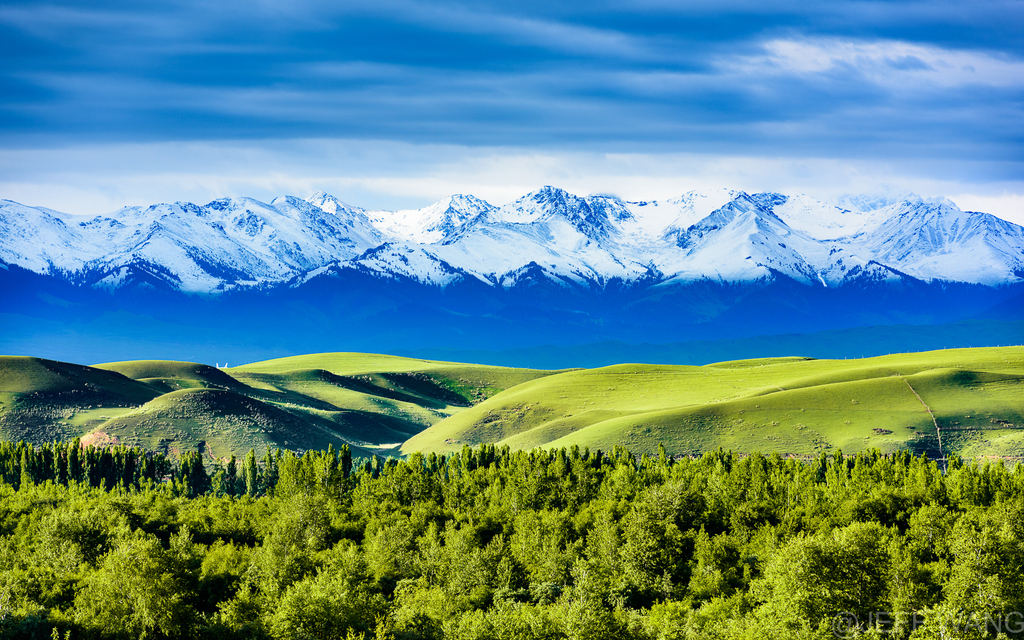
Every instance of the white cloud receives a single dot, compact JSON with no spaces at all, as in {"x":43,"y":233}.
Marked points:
{"x":885,"y":62}
{"x":1008,"y":206}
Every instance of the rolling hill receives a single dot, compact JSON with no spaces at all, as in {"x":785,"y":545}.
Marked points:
{"x":373,"y":403}
{"x":972,"y":398}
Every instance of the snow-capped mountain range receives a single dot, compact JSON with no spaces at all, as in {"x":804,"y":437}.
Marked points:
{"x":718,"y":235}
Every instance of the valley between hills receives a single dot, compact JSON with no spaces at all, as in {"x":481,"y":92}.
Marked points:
{"x":968,"y":402}
{"x":964,"y":401}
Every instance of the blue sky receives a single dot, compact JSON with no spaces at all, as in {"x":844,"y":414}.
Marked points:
{"x":392,"y":104}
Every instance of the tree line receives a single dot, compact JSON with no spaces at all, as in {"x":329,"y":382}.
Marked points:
{"x":134,"y":468}
{"x":489,"y":543}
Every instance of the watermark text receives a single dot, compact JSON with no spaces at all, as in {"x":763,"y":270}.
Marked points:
{"x":848,"y":624}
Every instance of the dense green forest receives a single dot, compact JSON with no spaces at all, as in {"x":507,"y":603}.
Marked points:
{"x":490,"y":543}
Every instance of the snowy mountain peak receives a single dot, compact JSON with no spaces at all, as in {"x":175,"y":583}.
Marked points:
{"x":933,"y":239}
{"x":668,"y":218}
{"x":456,"y":211}
{"x":820,"y":220}
{"x":330,"y":204}
{"x":742,"y":209}
{"x":291,"y":202}
{"x":864,"y":203}
{"x":593,"y":217}
{"x":535,"y":206}
{"x":438,"y":222}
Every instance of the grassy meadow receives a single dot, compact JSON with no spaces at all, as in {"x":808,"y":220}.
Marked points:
{"x":789,"y":405}
{"x":964,"y":401}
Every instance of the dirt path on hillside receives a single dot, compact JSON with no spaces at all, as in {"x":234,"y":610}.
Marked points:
{"x":938,"y":432}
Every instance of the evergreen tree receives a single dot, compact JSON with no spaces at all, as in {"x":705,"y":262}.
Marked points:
{"x":251,"y":474}
{"x":192,"y":474}
{"x":270,"y":474}
{"x":231,"y":477}
{"x":27,"y":477}
{"x":346,"y":461}
{"x":74,"y":454}
{"x":60,"y":464}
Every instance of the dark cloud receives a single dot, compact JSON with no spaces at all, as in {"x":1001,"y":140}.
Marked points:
{"x":858,"y":78}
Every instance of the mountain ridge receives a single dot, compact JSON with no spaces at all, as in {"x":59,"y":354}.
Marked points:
{"x":728,"y":236}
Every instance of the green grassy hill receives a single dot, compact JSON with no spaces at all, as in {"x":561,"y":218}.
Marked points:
{"x":40,"y":399}
{"x":373,"y":403}
{"x":219,"y":422}
{"x":168,"y":375}
{"x":966,"y":401}
{"x":791,"y":405}
{"x":471,"y":382}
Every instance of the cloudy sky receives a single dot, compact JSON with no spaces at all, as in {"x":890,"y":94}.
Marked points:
{"x":393,"y":103}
